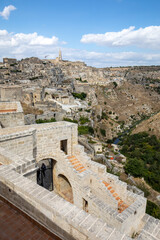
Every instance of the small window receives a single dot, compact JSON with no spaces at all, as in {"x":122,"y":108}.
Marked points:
{"x":85,"y":205}
{"x":63,"y":146}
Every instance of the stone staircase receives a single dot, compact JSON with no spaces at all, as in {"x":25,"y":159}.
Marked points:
{"x":121,"y":204}
{"x":77,"y":165}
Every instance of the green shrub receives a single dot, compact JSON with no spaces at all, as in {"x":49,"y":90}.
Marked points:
{"x":91,"y":141}
{"x":45,"y":120}
{"x":104,"y":116}
{"x":83,"y":120}
{"x":115,"y":84}
{"x":152,"y":209}
{"x":70,"y":120}
{"x":81,"y":95}
{"x":103,"y":132}
{"x":85,"y":130}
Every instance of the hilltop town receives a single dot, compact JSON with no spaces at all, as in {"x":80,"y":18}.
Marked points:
{"x":114,"y":98}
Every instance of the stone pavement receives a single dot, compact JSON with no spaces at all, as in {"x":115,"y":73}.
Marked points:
{"x":15,"y":225}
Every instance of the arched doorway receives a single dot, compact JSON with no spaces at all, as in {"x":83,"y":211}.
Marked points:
{"x":65,"y":188}
{"x":45,"y":173}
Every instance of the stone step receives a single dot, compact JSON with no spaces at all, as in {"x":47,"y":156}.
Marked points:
{"x":77,"y":165}
{"x":80,"y":168}
{"x":74,"y":163}
{"x":121,"y":205}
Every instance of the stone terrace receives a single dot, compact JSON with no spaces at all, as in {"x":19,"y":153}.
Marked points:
{"x":97,"y":212}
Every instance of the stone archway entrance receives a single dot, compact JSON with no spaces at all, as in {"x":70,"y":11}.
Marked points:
{"x":65,"y":188}
{"x":45,"y":173}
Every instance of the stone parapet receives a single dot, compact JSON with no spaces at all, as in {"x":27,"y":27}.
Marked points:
{"x":92,"y":189}
{"x":53,"y":212}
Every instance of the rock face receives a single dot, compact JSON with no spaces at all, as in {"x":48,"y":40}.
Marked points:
{"x":102,"y":76}
{"x":151,"y":125}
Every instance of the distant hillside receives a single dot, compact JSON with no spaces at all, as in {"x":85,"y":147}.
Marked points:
{"x":151,"y":125}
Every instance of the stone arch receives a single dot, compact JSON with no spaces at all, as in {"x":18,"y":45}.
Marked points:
{"x":65,"y":189}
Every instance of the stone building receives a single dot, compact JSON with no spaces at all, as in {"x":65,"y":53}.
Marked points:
{"x":9,"y":61}
{"x":46,"y":174}
{"x":11,"y":114}
{"x":10,"y":93}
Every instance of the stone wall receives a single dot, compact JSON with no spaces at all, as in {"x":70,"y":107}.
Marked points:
{"x":53,"y":212}
{"x":20,"y":143}
{"x":45,"y":141}
{"x":11,"y":114}
{"x":11,"y":92}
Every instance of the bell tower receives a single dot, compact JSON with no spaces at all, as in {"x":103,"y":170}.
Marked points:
{"x":60,"y":55}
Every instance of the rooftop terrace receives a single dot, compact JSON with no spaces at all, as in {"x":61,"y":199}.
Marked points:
{"x":15,"y":225}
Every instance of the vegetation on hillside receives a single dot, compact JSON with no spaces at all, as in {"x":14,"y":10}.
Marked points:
{"x":85,"y":130}
{"x":152,"y":209}
{"x":82,"y":130}
{"x":143,"y":157}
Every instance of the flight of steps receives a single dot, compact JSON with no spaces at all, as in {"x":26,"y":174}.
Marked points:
{"x":121,"y":204}
{"x":77,"y":165}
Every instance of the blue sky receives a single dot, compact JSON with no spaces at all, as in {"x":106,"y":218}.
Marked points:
{"x":99,"y":32}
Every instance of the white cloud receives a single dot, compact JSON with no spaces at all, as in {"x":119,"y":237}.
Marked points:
{"x":22,"y":45}
{"x":20,"y":39}
{"x":6,"y":11}
{"x":143,"y":37}
{"x":98,"y":59}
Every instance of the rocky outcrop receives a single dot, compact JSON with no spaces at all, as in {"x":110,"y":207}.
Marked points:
{"x":151,"y":125}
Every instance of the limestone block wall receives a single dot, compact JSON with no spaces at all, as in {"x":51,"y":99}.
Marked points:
{"x":11,"y":93}
{"x":25,"y":144}
{"x":53,"y":212}
{"x":127,"y":221}
{"x":100,"y":170}
{"x":20,"y":143}
{"x":49,"y":143}
{"x":11,"y":119}
{"x":11,"y":114}
{"x":119,"y":186}
{"x":32,"y":175}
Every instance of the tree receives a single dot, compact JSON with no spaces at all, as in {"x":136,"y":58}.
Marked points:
{"x":135,"y":167}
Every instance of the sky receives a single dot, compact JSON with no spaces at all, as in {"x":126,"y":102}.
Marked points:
{"x":102,"y":33}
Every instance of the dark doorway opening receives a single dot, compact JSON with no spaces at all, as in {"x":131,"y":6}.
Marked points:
{"x":63,"y":146}
{"x":45,"y":174}
{"x":85,"y":205}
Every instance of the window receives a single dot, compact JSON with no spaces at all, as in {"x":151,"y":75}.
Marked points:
{"x":63,"y":146}
{"x":85,"y":205}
